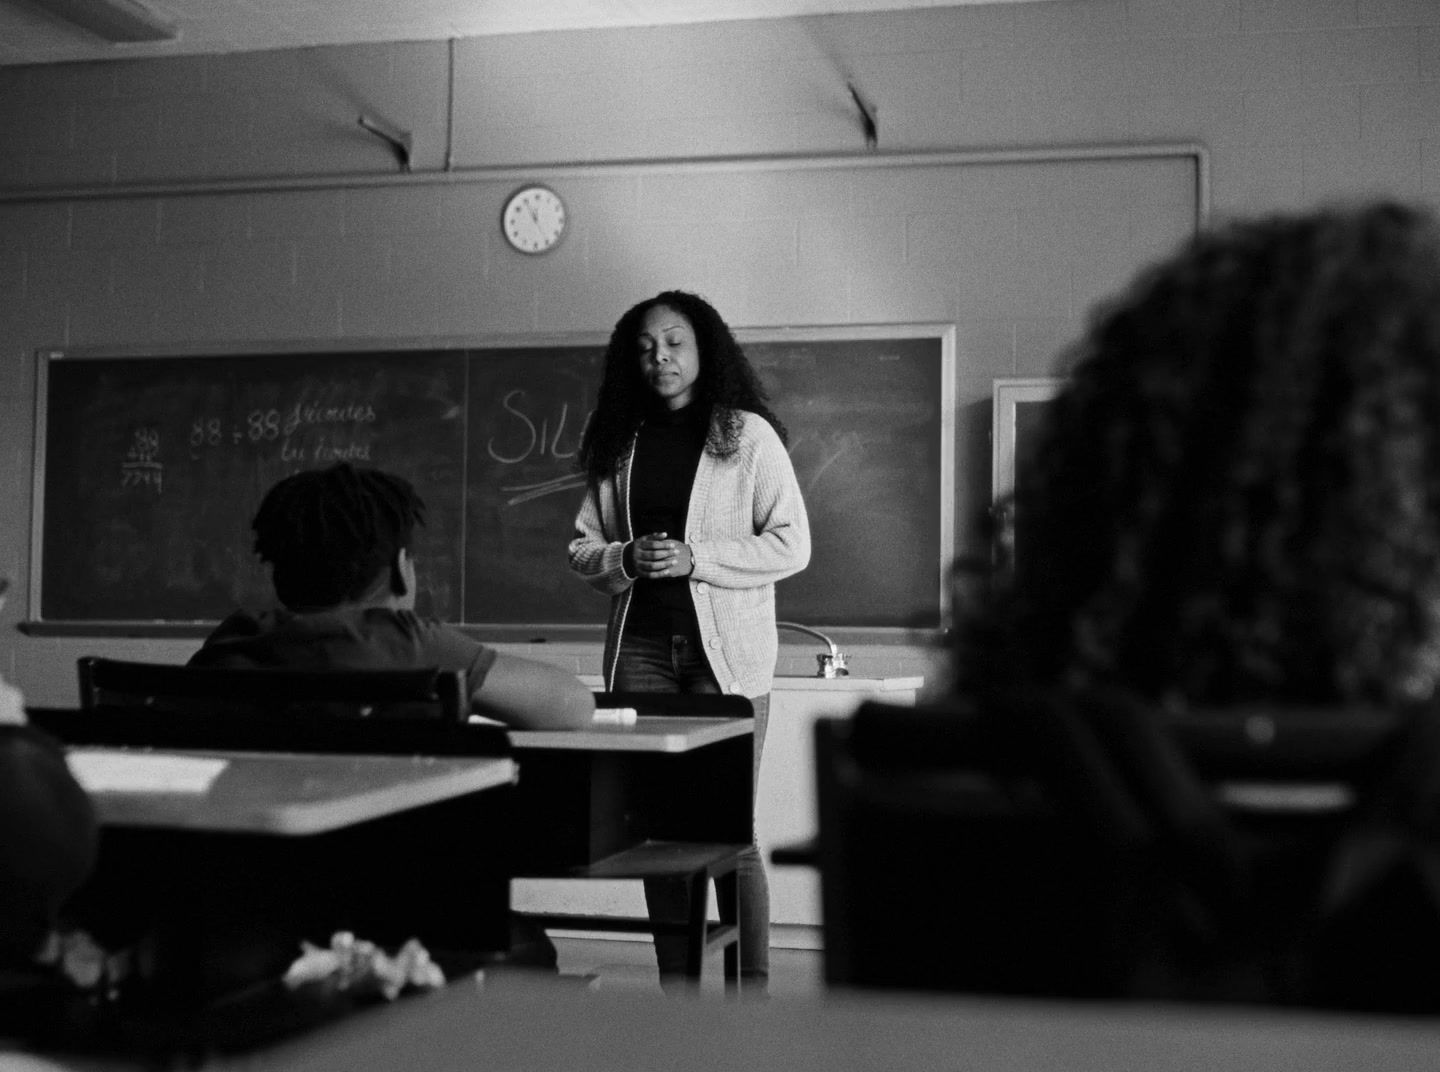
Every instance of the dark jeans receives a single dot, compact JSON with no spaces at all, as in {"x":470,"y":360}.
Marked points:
{"x":676,"y":664}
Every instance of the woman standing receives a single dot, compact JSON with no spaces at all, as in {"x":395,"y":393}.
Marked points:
{"x":691,"y":514}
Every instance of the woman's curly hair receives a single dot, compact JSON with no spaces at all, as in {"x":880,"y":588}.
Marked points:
{"x":727,"y":385}
{"x":1237,"y":495}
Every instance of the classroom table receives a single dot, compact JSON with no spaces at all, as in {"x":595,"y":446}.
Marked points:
{"x":539,"y":1025}
{"x":664,"y":797}
{"x":585,"y":795}
{"x":224,"y":860}
{"x":522,"y":1025}
{"x":648,"y":733}
{"x":289,"y":794}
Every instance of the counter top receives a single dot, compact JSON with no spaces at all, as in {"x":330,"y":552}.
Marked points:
{"x":848,"y":684}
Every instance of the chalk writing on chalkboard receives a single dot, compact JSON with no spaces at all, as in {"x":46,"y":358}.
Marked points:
{"x":262,"y":426}
{"x":150,"y":468}
{"x":141,"y":467}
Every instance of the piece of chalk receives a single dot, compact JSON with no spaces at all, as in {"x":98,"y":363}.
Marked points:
{"x":616,"y":716}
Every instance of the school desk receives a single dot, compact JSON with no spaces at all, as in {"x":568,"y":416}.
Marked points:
{"x":228,"y":875}
{"x":521,"y":1025}
{"x":648,"y":733}
{"x":585,"y":795}
{"x":785,"y":797}
{"x":663,"y":797}
{"x":272,"y":792}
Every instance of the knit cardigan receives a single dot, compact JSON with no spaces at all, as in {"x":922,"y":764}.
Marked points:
{"x":746,"y":527}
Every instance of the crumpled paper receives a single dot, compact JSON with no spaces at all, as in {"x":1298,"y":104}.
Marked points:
{"x":84,"y":962}
{"x":361,"y":967}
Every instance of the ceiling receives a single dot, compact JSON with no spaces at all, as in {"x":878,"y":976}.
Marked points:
{"x":30,"y":34}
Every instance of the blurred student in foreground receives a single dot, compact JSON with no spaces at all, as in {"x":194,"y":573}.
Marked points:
{"x":1237,"y":496}
{"x":48,"y":835}
{"x":1235,"y":505}
{"x":338,"y":541}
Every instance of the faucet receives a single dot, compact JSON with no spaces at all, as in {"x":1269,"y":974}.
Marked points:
{"x":832,"y":663}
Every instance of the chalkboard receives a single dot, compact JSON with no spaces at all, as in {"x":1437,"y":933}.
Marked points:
{"x":153,"y":468}
{"x":150,"y":467}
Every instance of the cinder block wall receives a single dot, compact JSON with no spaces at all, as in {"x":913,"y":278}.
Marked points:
{"x":211,"y":200}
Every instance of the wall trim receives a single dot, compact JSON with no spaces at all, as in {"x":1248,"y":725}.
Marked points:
{"x":1193,"y":151}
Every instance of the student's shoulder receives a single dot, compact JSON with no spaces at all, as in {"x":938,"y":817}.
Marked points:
{"x":412,"y":624}
{"x":242,"y":623}
{"x":237,"y":628}
{"x":439,"y":643}
{"x":22,"y":743}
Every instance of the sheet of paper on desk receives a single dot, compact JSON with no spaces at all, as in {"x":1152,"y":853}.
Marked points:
{"x":103,"y":771}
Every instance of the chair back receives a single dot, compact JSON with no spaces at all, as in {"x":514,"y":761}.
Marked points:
{"x":1110,"y":851}
{"x":933,"y":876}
{"x":426,"y":693}
{"x":352,"y":711}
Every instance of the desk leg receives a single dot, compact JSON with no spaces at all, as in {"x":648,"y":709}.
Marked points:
{"x":698,"y":899}
{"x":727,"y":900}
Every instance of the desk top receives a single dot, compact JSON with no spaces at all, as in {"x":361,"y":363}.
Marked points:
{"x":294,"y":794}
{"x":514,"y":1026}
{"x":812,"y":683}
{"x":646,"y":734}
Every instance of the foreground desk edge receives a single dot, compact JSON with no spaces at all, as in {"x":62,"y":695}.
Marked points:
{"x":413,"y":782}
{"x":545,"y":1029}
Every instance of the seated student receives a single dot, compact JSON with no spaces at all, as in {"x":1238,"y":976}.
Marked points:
{"x":48,"y":836}
{"x":1236,"y":501}
{"x":338,"y":542}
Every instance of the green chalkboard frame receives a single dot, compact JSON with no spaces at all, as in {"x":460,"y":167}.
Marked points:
{"x":941,"y":334}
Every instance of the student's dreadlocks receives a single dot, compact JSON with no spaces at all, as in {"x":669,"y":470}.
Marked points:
{"x":329,"y":534}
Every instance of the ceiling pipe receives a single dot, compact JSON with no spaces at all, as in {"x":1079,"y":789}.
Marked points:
{"x":120,"y":21}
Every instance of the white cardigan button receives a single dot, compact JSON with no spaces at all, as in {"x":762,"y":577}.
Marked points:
{"x":702,"y":586}
{"x":715,"y":642}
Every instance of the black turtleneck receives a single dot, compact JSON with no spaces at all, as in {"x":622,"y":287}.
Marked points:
{"x":667,"y":453}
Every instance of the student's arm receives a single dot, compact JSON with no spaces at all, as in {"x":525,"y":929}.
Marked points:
{"x":531,"y":695}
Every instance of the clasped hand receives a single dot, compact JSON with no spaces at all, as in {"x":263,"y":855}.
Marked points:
{"x":657,"y":557}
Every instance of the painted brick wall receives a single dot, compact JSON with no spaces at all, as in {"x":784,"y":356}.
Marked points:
{"x":1295,"y":102}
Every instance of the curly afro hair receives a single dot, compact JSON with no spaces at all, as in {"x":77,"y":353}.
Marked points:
{"x":1237,"y":495}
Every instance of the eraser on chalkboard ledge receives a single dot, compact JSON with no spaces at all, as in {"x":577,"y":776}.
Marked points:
{"x":615,"y":716}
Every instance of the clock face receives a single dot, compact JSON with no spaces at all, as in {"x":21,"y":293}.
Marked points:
{"x":534,"y":219}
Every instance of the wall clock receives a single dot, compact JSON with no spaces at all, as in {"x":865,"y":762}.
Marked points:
{"x":534,"y":219}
